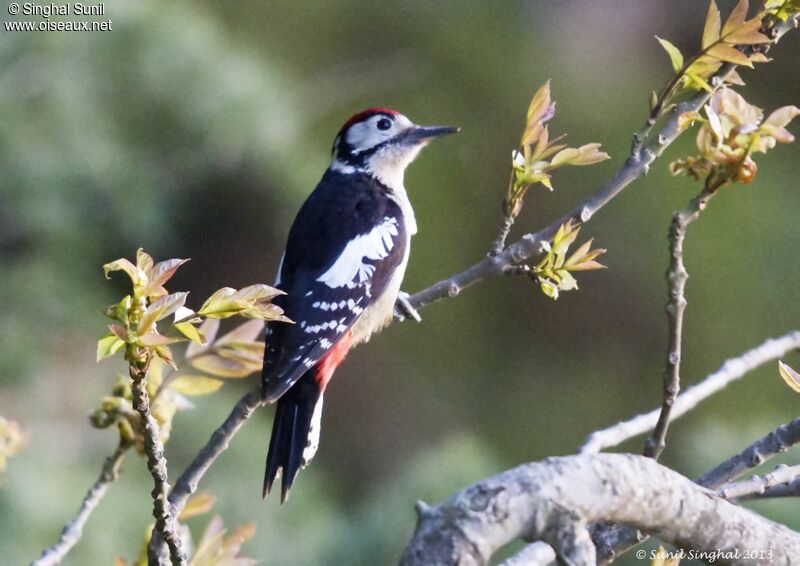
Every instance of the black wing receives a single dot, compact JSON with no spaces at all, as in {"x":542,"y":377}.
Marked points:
{"x":344,"y":246}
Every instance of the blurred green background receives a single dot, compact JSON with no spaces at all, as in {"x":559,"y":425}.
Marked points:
{"x":196,"y":129}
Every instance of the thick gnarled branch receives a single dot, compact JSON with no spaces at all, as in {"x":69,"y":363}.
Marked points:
{"x":555,"y":499}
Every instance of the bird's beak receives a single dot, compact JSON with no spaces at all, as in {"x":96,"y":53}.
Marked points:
{"x":423,"y":134}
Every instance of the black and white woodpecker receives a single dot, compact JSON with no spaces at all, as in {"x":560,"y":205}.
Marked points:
{"x":342,"y":268}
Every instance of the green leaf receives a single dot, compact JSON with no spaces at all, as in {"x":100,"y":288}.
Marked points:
{"x":589,"y":154}
{"x":165,"y":354}
{"x":675,"y":56}
{"x":791,"y":377}
{"x":160,"y":274}
{"x":246,"y":332}
{"x":108,"y":346}
{"x":782,"y":116}
{"x":195,"y":385}
{"x":248,"y":352}
{"x":540,"y":110}
{"x":144,"y":261}
{"x":258,"y":292}
{"x":190,"y":331}
{"x":209,"y":330}
{"x":712,"y":25}
{"x":568,"y":282}
{"x":737,"y":17}
{"x":220,"y":366}
{"x":155,"y":339}
{"x":698,"y":82}
{"x":747,"y":34}
{"x":730,"y":54}
{"x":549,"y":288}
{"x":653,"y":100}
{"x":121,"y":265}
{"x":159,"y":309}
{"x":222,"y":304}
{"x":565,"y":156}
{"x":198,"y":505}
{"x":119,"y":331}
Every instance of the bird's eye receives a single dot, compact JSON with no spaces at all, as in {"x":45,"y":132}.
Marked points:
{"x":384,"y":124}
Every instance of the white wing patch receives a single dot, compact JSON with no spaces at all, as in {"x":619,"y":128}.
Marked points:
{"x":350,"y":269}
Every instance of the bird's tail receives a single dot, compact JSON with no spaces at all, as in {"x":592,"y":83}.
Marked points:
{"x":295,"y":433}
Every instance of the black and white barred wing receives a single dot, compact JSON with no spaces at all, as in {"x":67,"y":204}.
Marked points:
{"x":325,"y":305}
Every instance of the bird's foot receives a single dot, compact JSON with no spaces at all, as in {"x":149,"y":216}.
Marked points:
{"x":403,"y":308}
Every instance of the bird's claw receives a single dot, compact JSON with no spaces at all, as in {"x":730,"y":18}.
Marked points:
{"x":403,"y":308}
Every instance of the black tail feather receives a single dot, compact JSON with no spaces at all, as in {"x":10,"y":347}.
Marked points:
{"x":290,"y":433}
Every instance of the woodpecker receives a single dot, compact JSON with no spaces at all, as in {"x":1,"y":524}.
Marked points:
{"x":342,"y":268}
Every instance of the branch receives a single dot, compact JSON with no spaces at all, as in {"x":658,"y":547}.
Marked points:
{"x":730,"y":371}
{"x":758,"y":485}
{"x":614,"y":540}
{"x":73,"y":530}
{"x":554,"y":500}
{"x":157,"y":464}
{"x":187,"y":483}
{"x":776,"y":442}
{"x":216,"y":445}
{"x":789,"y":489}
{"x":676,"y":305}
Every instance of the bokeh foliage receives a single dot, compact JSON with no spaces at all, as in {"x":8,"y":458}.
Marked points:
{"x":196,"y":130}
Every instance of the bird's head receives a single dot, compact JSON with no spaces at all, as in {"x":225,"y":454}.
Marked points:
{"x":383,"y":143}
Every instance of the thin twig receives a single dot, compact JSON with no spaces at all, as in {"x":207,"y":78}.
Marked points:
{"x":73,"y":530}
{"x":676,"y":305}
{"x":157,"y":464}
{"x":776,"y":442}
{"x":789,"y":489}
{"x":757,"y":485}
{"x":730,"y":371}
{"x":499,"y":243}
{"x":187,"y":483}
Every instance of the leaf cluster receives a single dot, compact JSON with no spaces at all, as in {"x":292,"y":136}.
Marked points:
{"x":538,"y":155}
{"x":730,"y":133}
{"x":721,"y":43}
{"x":150,"y":319}
{"x":554,"y":272}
